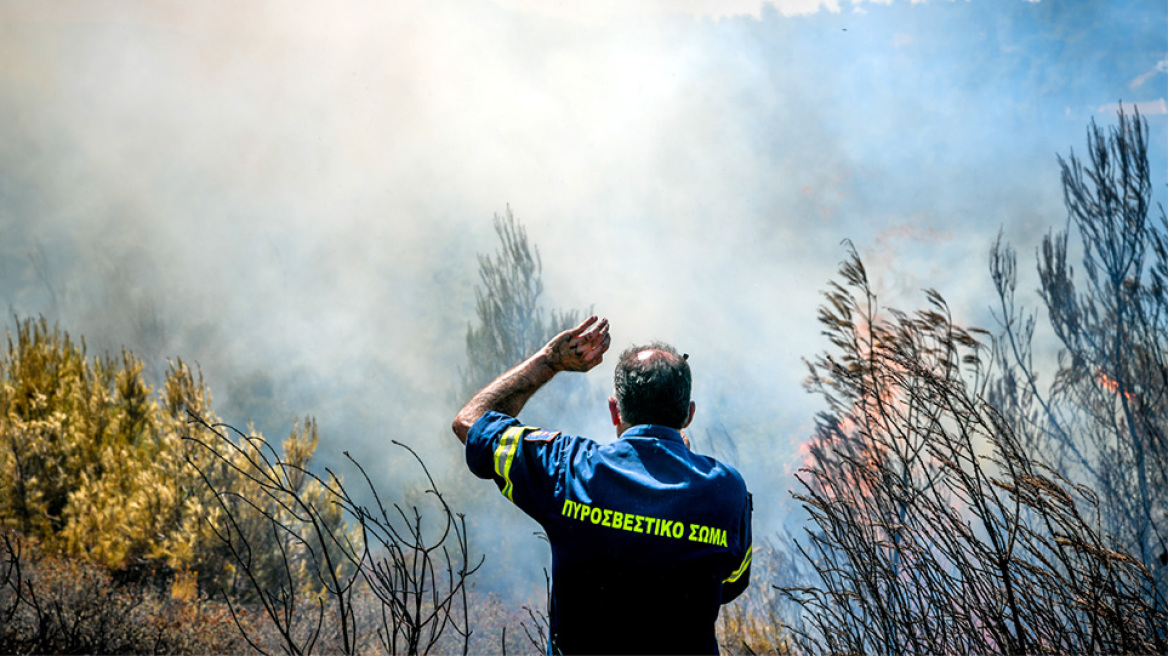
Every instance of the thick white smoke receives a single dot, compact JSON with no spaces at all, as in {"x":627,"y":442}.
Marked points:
{"x":292,"y":194}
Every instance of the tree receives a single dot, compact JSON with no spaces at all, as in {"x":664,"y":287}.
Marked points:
{"x":1103,"y":418}
{"x":935,"y":530}
{"x":511,"y":324}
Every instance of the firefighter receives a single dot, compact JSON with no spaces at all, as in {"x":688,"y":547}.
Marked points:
{"x":648,"y":539}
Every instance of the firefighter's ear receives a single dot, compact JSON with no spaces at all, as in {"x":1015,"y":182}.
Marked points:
{"x":692,"y":407}
{"x":614,"y":410}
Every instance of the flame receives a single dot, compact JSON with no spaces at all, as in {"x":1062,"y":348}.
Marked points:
{"x":1111,"y":385}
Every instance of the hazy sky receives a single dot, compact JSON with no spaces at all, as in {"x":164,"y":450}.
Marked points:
{"x":293,"y":194}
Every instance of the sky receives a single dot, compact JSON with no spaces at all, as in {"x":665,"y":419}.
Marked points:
{"x":293,"y":194}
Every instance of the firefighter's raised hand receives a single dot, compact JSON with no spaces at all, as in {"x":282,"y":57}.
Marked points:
{"x":580,"y":348}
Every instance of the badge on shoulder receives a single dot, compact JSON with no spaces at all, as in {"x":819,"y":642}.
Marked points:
{"x":541,"y":436}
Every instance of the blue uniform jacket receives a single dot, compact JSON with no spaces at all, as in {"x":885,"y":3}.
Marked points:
{"x":648,"y":538}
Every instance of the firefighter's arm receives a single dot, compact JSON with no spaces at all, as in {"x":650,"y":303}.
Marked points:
{"x":731,"y":589}
{"x":739,"y":579}
{"x":578,"y":349}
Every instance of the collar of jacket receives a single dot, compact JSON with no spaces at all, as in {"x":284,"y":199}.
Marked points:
{"x":653,"y":430}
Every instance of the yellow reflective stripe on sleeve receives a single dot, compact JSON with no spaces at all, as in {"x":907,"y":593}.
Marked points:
{"x":505,"y":455}
{"x":737,"y":574}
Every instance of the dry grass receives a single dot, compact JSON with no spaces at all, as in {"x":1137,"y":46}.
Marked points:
{"x":57,"y":604}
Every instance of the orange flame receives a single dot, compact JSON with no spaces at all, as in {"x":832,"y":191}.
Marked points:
{"x":1111,"y":385}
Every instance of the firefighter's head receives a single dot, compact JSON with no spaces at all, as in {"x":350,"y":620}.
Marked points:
{"x":652,"y":386}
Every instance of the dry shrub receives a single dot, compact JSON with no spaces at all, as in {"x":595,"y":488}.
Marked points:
{"x":355,"y":577}
{"x":935,"y":529}
{"x":504,"y":626}
{"x":63,"y":605}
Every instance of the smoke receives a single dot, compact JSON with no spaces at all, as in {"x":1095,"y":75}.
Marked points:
{"x":293,"y":194}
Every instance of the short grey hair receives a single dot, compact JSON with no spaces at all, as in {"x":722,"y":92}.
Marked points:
{"x":653,"y":389}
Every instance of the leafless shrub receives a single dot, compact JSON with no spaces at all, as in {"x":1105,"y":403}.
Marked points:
{"x":355,"y":578}
{"x":935,"y":531}
{"x":540,"y":629}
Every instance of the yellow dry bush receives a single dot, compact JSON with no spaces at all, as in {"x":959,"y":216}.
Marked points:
{"x":93,"y":464}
